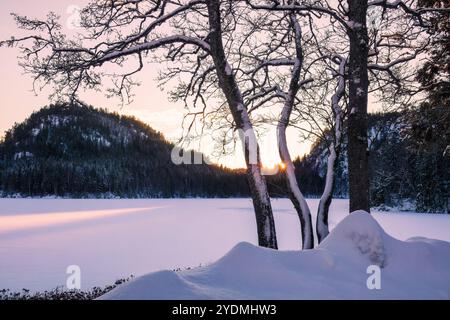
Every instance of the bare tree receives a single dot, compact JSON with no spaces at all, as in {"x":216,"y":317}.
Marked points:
{"x":295,"y":84}
{"x":258,"y":187}
{"x":272,"y":75}
{"x":352,"y":16}
{"x":278,"y":69}
{"x":121,"y":33}
{"x":385,"y":46}
{"x":334,"y":149}
{"x":394,"y":44}
{"x":353,"y":19}
{"x":358,"y":155}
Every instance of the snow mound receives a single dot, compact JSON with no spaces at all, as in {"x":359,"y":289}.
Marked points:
{"x":337,"y":269}
{"x":361,"y":232}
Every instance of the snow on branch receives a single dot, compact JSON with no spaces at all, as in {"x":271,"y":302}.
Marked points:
{"x":318,"y":7}
{"x":407,"y":7}
{"x":113,"y":31}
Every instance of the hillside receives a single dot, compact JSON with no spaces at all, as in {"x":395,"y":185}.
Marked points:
{"x":79,"y":151}
{"x":408,"y":162}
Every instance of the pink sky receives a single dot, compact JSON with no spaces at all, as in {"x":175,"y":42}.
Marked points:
{"x":15,"y":88}
{"x":150,"y":104}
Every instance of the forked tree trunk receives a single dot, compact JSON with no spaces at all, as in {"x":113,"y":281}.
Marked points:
{"x":296,"y":196}
{"x":258,"y":187}
{"x":322,"y":228}
{"x":358,"y":166}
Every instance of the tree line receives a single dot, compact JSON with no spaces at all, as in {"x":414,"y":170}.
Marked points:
{"x":79,"y":151}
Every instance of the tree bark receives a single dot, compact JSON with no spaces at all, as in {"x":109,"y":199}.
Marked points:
{"x":258,"y":187}
{"x":296,"y":196}
{"x":322,"y":229}
{"x":358,"y":165}
{"x":334,"y":149}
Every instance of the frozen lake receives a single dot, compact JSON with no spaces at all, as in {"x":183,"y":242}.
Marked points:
{"x":112,"y":239}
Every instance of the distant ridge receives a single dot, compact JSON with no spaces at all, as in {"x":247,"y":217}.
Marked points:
{"x":75,"y":150}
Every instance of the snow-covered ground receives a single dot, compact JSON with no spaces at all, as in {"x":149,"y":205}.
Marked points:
{"x":358,"y":260}
{"x":112,"y":239}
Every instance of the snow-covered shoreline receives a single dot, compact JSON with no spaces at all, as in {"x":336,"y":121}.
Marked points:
{"x":404,"y":206}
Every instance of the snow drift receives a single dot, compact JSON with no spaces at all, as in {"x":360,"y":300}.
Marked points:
{"x":418,"y":268}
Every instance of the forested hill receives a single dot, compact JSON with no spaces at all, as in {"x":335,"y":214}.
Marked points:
{"x":79,"y":151}
{"x":409,"y":161}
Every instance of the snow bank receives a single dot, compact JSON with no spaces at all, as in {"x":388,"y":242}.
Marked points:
{"x":418,"y":268}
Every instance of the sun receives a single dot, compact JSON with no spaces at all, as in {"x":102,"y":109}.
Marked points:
{"x":273,"y":169}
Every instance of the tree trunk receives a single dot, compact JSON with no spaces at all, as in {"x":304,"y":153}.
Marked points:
{"x":258,"y":187}
{"x":358,"y":166}
{"x":296,"y":196}
{"x":322,"y":229}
